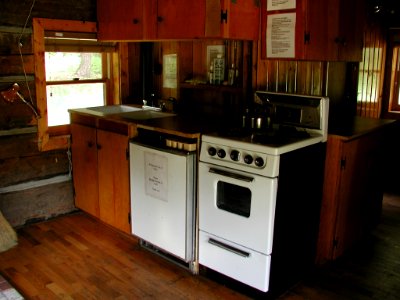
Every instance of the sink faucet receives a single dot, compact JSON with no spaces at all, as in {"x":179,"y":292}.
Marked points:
{"x":145,"y":106}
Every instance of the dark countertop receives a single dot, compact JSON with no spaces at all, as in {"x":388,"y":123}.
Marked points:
{"x":190,"y":126}
{"x":354,"y":127}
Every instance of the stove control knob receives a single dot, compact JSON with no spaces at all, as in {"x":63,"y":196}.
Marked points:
{"x":248,"y":159}
{"x":221,"y":153}
{"x":235,"y":155}
{"x":259,"y":161}
{"x":212,"y":151}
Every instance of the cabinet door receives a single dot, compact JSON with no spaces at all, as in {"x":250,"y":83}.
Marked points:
{"x":243,"y":20}
{"x":329,"y":30}
{"x":120,"y":19}
{"x":84,"y":164}
{"x":360,"y":191}
{"x":180,"y":19}
{"x":320,"y":26}
{"x":334,"y":29}
{"x":228,"y":19}
{"x":113,"y":174}
{"x":351,"y":30}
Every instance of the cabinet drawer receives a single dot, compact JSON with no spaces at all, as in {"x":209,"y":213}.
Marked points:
{"x":251,"y":268}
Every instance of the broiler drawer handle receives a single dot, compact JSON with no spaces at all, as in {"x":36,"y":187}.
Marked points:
{"x":228,"y":248}
{"x":231,"y":175}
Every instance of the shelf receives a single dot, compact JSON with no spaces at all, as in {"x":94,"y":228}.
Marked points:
{"x":220,"y":88}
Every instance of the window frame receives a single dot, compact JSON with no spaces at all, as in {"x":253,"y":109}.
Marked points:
{"x":59,"y":129}
{"x":393,"y":42}
{"x":394,"y":105}
{"x":370,"y":75}
{"x":58,"y":137}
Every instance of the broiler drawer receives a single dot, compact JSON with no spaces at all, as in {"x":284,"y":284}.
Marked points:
{"x":235,"y":261}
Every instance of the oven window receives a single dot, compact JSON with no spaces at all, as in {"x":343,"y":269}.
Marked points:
{"x":233,"y":198}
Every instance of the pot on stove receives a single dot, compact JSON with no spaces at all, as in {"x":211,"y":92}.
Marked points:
{"x":260,"y":122}
{"x":257,"y":120}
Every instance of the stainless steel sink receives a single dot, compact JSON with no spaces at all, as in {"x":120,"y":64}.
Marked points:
{"x":113,"y":109}
{"x":145,"y":115}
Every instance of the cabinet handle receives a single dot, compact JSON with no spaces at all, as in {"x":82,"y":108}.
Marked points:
{"x":160,"y":19}
{"x":231,"y":175}
{"x":341,"y":41}
{"x":90,"y":144}
{"x":99,"y":147}
{"x":228,"y":248}
{"x":135,"y":21}
{"x":224,"y":16}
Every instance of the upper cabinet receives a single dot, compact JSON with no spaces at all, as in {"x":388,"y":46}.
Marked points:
{"x":150,"y":19}
{"x":136,"y":20}
{"x":330,"y":30}
{"x":239,"y":20}
{"x":120,"y":20}
{"x":334,"y":30}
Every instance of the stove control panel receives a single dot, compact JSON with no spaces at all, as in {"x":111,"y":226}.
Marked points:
{"x":239,"y":157}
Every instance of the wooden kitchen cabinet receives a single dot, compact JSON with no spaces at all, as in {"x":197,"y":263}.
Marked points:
{"x":150,"y":19}
{"x":353,"y":189}
{"x":228,"y":19}
{"x":84,"y":165}
{"x":329,"y":30}
{"x":120,"y":20}
{"x":177,"y":19}
{"x":101,"y":174}
{"x":334,"y":30}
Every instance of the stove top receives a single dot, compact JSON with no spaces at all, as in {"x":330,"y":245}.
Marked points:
{"x":299,"y":121}
{"x":276,"y":137}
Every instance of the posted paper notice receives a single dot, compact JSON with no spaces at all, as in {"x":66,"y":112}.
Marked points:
{"x":170,"y":71}
{"x":280,"y":37}
{"x":280,"y":4}
{"x":156,"y":176}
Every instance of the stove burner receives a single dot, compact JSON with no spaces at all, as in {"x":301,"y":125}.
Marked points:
{"x":234,"y":132}
{"x":278,"y":136}
{"x":281,"y":136}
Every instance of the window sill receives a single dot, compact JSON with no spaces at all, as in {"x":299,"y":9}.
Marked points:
{"x":54,"y":142}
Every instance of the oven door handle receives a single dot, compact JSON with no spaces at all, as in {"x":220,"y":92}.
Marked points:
{"x":228,"y":248}
{"x":231,"y":175}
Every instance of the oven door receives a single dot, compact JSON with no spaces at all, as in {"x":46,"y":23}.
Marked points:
{"x":237,"y":206}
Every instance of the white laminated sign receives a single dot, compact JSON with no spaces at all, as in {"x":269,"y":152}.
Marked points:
{"x":280,"y":35}
{"x":156,"y":176}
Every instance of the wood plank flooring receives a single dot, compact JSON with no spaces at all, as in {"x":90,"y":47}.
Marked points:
{"x":76,"y":257}
{"x":370,"y":271}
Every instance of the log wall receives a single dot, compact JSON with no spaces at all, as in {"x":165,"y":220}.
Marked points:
{"x":33,"y":185}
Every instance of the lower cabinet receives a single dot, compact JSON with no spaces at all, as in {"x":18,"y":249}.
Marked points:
{"x":353,"y":192}
{"x":101,"y":174}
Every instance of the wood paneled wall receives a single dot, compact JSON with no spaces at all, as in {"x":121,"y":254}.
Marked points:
{"x":298,"y":77}
{"x":192,"y":66}
{"x":33,"y":185}
{"x":336,"y":80}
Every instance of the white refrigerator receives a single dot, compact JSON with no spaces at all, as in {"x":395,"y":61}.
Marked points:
{"x":162,"y":183}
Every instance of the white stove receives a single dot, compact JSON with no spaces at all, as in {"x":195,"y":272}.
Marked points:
{"x":242,"y":175}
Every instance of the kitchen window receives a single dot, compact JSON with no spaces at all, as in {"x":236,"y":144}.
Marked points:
{"x":395,"y":80}
{"x":370,"y":75}
{"x":371,"y":71}
{"x":73,"y":80}
{"x":72,"y":70}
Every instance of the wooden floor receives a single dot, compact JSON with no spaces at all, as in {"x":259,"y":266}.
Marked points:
{"x":75,"y":257}
{"x":372,"y":271}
